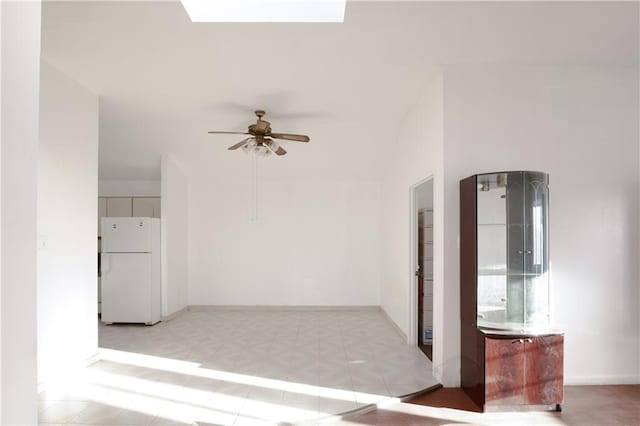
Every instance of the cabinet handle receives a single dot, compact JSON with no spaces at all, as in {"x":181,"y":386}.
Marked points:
{"x":517,"y":341}
{"x":529,"y":340}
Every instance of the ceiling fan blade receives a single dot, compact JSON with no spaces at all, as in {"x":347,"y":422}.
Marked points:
{"x":280,"y":151}
{"x":239,"y":144}
{"x":289,"y":137}
{"x":228,"y":133}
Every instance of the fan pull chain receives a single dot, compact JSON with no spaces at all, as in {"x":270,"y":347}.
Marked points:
{"x":254,"y":190}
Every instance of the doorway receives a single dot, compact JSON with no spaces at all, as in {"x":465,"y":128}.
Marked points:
{"x":423,"y":238}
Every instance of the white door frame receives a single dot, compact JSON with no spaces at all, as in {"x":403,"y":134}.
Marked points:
{"x":412,"y":337}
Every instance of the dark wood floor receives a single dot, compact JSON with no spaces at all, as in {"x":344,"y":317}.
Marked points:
{"x":446,"y":398}
{"x":583,"y":406}
{"x":428,"y":350}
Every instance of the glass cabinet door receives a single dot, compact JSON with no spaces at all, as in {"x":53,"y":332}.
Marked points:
{"x":492,"y":256}
{"x":536,"y":258}
{"x":515,"y":249}
{"x":512,"y":255}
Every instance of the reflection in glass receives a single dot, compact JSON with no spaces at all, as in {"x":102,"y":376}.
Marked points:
{"x":513,"y":288}
{"x":536,"y":244}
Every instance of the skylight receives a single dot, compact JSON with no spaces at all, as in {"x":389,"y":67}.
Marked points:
{"x":265,"y":10}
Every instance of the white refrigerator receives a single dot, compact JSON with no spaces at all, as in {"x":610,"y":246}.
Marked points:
{"x":130,"y":270}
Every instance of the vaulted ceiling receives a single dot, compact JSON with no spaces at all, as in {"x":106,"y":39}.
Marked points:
{"x":164,"y":81}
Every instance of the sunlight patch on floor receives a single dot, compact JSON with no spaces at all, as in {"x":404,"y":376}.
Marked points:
{"x":194,"y":369}
{"x":206,"y":366}
{"x":171,"y":397}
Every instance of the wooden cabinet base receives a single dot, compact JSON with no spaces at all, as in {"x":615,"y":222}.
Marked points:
{"x":508,"y":373}
{"x":521,"y":407}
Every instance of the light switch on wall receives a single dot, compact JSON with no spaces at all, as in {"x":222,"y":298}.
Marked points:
{"x":42,"y":241}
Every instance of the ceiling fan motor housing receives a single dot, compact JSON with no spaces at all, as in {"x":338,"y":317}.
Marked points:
{"x":261,"y":127}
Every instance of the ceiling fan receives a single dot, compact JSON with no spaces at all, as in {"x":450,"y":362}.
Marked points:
{"x":261,"y":142}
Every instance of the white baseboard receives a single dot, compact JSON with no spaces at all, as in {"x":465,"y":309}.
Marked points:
{"x":93,"y":358}
{"x":393,"y":323}
{"x":631,"y":379}
{"x":174,"y":315}
{"x":283,"y":308}
{"x":69,"y":373}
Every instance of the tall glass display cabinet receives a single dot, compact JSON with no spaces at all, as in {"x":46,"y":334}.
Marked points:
{"x":511,"y":357}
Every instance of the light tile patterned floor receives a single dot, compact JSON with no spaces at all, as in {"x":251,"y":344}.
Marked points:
{"x":242,"y":367}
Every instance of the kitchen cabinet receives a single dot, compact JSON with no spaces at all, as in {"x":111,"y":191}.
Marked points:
{"x":146,"y":207}
{"x":119,"y":206}
{"x":511,"y":357}
{"x":128,"y":207}
{"x":523,"y":370}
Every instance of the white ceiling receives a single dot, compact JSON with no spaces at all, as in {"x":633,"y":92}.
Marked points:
{"x":164,"y":81}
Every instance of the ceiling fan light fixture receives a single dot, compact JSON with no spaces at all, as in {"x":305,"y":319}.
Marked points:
{"x":330,"y":11}
{"x":273,"y":146}
{"x":261,"y":151}
{"x":249,"y":146}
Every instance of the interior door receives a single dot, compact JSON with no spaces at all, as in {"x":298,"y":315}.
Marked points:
{"x":126,"y":287}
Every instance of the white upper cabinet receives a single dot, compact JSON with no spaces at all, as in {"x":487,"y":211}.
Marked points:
{"x":102,"y":211}
{"x":119,"y":207}
{"x":127,"y":207}
{"x":146,"y":207}
{"x":156,"y":207}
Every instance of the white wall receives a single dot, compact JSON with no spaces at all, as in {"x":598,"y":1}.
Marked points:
{"x":20,"y":48}
{"x":416,"y":155}
{"x":315,"y":241}
{"x":1,"y":139}
{"x":424,"y":195}
{"x":128,"y":188}
{"x":581,"y":126}
{"x":175,"y":237}
{"x":67,"y":207}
